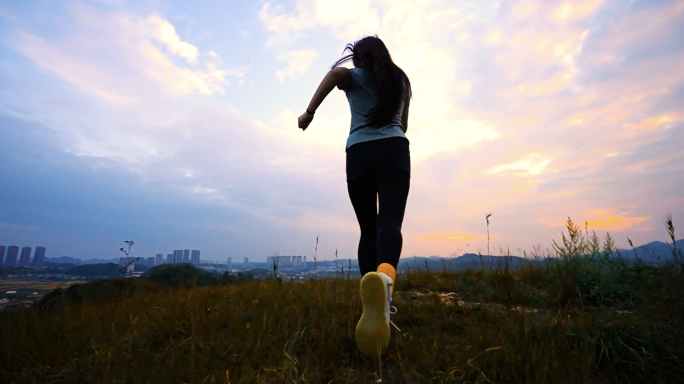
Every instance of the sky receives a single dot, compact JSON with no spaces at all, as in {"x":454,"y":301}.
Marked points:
{"x":174,"y":124}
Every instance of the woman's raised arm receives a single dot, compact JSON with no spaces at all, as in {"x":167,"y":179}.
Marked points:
{"x":340,"y":77}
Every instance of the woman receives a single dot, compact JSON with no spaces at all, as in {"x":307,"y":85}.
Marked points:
{"x":378,"y":166}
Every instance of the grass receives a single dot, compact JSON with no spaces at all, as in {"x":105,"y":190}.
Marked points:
{"x":578,"y":319}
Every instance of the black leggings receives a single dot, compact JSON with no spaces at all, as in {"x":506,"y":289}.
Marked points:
{"x":379,"y":169}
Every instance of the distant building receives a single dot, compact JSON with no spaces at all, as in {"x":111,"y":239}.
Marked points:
{"x":195,"y":257}
{"x":25,"y":256}
{"x":129,"y":263}
{"x":246,"y":260}
{"x":11,"y":255}
{"x":285,"y":261}
{"x":177,"y":256}
{"x":2,"y":253}
{"x":159,"y":260}
{"x":150,"y":262}
{"x":169,"y":258}
{"x":39,"y":256}
{"x":229,"y":262}
{"x":186,"y":256}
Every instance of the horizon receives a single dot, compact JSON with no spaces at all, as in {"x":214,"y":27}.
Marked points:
{"x":170,"y":123}
{"x":451,"y":256}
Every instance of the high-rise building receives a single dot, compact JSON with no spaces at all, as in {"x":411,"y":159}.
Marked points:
{"x":25,"y":259}
{"x":195,"y":257}
{"x":150,"y":262}
{"x":177,"y":256}
{"x":186,"y":256}
{"x":11,"y":255}
{"x":159,"y":260}
{"x":229,"y":262}
{"x":129,"y":263}
{"x":283,"y":261}
{"x":2,"y":253}
{"x":246,"y":260}
{"x":169,"y":258}
{"x":39,"y":256}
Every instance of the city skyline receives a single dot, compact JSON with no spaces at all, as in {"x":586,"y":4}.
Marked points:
{"x":9,"y":255}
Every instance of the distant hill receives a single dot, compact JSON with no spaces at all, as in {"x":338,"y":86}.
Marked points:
{"x":97,"y":291}
{"x":176,"y":275}
{"x":466,"y":261}
{"x":114,"y":260}
{"x":655,"y":252}
{"x":63,"y":260}
{"x":73,"y":260}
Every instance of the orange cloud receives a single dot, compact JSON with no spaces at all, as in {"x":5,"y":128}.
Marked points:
{"x":615,"y":223}
{"x":652,"y":122}
{"x":604,"y":220}
{"x":441,"y":236}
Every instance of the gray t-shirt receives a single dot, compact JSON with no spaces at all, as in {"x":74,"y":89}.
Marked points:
{"x":363,"y":95}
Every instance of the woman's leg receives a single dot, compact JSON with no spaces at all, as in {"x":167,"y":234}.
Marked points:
{"x":364,"y":199}
{"x":393,"y":191}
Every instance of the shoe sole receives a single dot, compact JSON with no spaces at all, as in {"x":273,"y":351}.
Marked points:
{"x":372,"y":331}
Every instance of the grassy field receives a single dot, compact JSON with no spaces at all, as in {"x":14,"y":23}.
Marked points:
{"x":579,"y":319}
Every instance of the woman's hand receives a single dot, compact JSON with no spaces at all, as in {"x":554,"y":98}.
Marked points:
{"x":304,"y":120}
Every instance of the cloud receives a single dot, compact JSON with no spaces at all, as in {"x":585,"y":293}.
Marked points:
{"x":602,"y":219}
{"x":114,"y":56}
{"x":428,"y":237}
{"x":298,"y":63}
{"x":285,"y":29}
{"x":336,"y":12}
{"x":531,"y":164}
{"x":166,"y":33}
{"x":571,"y":10}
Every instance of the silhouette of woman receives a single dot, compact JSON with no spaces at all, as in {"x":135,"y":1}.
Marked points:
{"x":378,"y":171}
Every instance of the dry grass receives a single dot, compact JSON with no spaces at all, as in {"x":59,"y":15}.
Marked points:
{"x":577,"y":320}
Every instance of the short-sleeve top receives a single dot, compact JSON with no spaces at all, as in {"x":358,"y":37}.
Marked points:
{"x":363,"y":96}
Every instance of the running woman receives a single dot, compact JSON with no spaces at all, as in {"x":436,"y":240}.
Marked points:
{"x":378,"y":170}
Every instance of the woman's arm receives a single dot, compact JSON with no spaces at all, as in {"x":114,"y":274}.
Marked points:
{"x":340,"y":77}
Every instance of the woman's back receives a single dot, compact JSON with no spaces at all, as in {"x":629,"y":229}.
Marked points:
{"x":362,"y":94}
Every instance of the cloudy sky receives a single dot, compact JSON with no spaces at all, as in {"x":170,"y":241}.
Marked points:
{"x":174,"y":124}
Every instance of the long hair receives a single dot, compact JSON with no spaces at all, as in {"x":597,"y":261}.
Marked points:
{"x":392,"y":83}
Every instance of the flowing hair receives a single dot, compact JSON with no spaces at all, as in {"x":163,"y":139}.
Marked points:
{"x":392,"y":83}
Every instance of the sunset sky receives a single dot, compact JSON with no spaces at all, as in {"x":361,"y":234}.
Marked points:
{"x":174,"y":124}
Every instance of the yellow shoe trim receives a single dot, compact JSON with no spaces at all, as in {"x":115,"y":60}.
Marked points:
{"x":388,"y":270}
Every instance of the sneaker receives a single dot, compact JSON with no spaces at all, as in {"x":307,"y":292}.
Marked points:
{"x":373,"y":331}
{"x":390,"y":308}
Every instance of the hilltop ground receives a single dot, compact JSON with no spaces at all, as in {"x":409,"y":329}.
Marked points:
{"x":578,"y":319}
